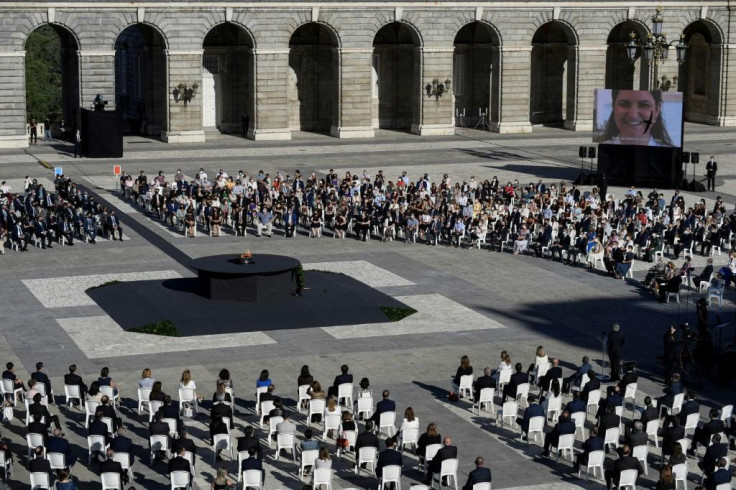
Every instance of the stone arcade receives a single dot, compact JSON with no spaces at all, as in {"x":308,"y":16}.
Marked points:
{"x":350,"y":68}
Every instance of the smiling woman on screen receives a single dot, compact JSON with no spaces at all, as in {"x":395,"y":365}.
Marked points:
{"x":636,"y":119}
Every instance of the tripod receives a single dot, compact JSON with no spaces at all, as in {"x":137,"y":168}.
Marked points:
{"x":483,"y":121}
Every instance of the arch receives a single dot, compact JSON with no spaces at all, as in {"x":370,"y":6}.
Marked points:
{"x":621,"y":73}
{"x":329,"y":30}
{"x":140,"y":67}
{"x":476,"y":68}
{"x":553,"y":74}
{"x":699,"y":77}
{"x":150,"y":27}
{"x":228,"y":73}
{"x":314,"y":74}
{"x":67,"y":83}
{"x":396,"y":76}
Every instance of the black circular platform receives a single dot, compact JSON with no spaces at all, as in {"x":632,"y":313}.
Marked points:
{"x":266,"y":278}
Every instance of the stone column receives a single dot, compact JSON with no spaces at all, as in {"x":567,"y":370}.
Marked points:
{"x":727,"y":107}
{"x":13,"y":96}
{"x":96,"y":76}
{"x":354,"y":93}
{"x":591,"y":62}
{"x":184,"y":124}
{"x":436,"y":115}
{"x":271,"y":121}
{"x":514,"y":90}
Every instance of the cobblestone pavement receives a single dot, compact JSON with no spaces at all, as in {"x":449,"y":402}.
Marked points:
{"x":469,"y":301}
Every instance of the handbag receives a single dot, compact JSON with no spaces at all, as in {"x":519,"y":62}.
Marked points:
{"x":453,"y":397}
{"x":342,"y":441}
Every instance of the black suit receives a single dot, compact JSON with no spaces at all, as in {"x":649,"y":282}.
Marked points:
{"x":179,"y":464}
{"x":637,"y":439}
{"x":252,"y":463}
{"x":552,"y":373}
{"x":628,"y":378}
{"x":389,"y":457}
{"x":112,"y":466}
{"x":185,"y":443}
{"x":41,"y":377}
{"x":478,"y":475}
{"x":723,"y":475}
{"x":122,"y":444}
{"x":712,"y":455}
{"x":340,"y":379}
{"x":39,"y":465}
{"x":615,"y":348}
{"x":591,"y":385}
{"x":702,"y":434}
{"x":516,"y":380}
{"x":366,"y":439}
{"x":245,"y":443}
{"x":670,"y":435}
{"x":99,"y":428}
{"x":621,"y":464}
{"x":75,"y":379}
{"x":60,"y":445}
{"x":445,"y":452}
{"x":562,"y":428}
{"x":608,"y":421}
{"x":381,"y":407}
{"x":483,"y":382}
{"x":590,"y":445}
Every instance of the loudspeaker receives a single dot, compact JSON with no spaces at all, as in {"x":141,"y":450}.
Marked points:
{"x":685,"y":157}
{"x":581,"y":152}
{"x":591,"y":152}
{"x":102,"y":134}
{"x":695,"y":157}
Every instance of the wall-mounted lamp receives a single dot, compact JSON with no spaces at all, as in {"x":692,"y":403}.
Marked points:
{"x":437,"y":88}
{"x":185,"y":93}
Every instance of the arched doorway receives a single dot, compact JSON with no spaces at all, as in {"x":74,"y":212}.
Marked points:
{"x":475,"y":72}
{"x":313,"y":78}
{"x":622,"y":74}
{"x":396,"y":76}
{"x":140,"y":80}
{"x":52,"y":78}
{"x":553,"y":74}
{"x":700,"y":74}
{"x":227,"y":78}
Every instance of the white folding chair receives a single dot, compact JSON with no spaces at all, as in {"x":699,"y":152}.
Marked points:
{"x":652,"y":429}
{"x":303,"y":396}
{"x":285,"y":441}
{"x":447,"y":470}
{"x":316,"y":407}
{"x":726,"y":414}
{"x":57,"y":461}
{"x":508,"y":411}
{"x":273,"y":422}
{"x":266,"y":407}
{"x":485,"y":398}
{"x":466,"y":385}
{"x":9,"y":390}
{"x":40,"y":480}
{"x":387,"y":420}
{"x":180,"y":479}
{"x":259,"y":391}
{"x":41,"y":388}
{"x":679,"y":471}
{"x":364,"y":406}
{"x":34,"y":440}
{"x":331,"y":422}
{"x":593,"y":398}
{"x":613,"y":434}
{"x":390,"y":474}
{"x":368,"y":456}
{"x":72,"y":392}
{"x":554,"y":407}
{"x":642,"y":454}
{"x":154,"y":406}
{"x":110,"y":392}
{"x":111,"y":481}
{"x":676,"y":405}
{"x":187,"y":396}
{"x":595,"y":460}
{"x":95,"y":445}
{"x":579,"y":419}
{"x":522,"y":392}
{"x":627,"y":479}
{"x":157,"y":443}
{"x":504,"y":376}
{"x":252,"y":479}
{"x":322,"y":476}
{"x":409,"y":436}
{"x":143,"y":399}
{"x":220,"y":442}
{"x":307,"y":458}
{"x":536,"y":426}
{"x":124,"y":460}
{"x":566,"y":443}
{"x":691,"y":421}
{"x":429,"y":453}
{"x":345,"y":392}
{"x":630,"y":394}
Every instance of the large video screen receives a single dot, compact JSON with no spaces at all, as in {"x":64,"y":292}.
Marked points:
{"x":637,"y":117}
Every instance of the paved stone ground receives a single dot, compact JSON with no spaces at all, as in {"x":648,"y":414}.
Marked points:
{"x":470,"y":302}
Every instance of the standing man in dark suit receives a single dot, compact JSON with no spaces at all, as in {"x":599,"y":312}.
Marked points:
{"x":615,"y":348}
{"x":74,"y":379}
{"x":343,"y":377}
{"x":563,"y":427}
{"x":625,"y":462}
{"x":711,"y":168}
{"x":385,"y":405}
{"x":478,"y":475}
{"x":485,"y":381}
{"x":447,"y":451}
{"x":670,"y":342}
{"x":593,"y":443}
{"x":518,"y":378}
{"x":389,"y":457}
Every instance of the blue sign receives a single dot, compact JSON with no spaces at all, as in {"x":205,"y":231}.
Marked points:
{"x":58,"y":171}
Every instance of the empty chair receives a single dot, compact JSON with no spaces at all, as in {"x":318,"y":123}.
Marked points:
{"x":143,"y":399}
{"x":508,"y":411}
{"x":641,"y":453}
{"x":485,"y":399}
{"x":285,"y":441}
{"x":180,"y":479}
{"x":447,"y":470}
{"x":221,"y":442}
{"x":40,"y":480}
{"x":252,"y":479}
{"x":390,"y":474}
{"x":345,"y":393}
{"x":628,"y":479}
{"x":72,"y":392}
{"x":316,"y":407}
{"x":566,"y":443}
{"x":368,"y":456}
{"x":308,"y":458}
{"x":322,"y":476}
{"x":387,"y":420}
{"x":111,"y":481}
{"x":595,"y":460}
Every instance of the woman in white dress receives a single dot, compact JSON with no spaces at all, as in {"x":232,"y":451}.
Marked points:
{"x":505,"y":365}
